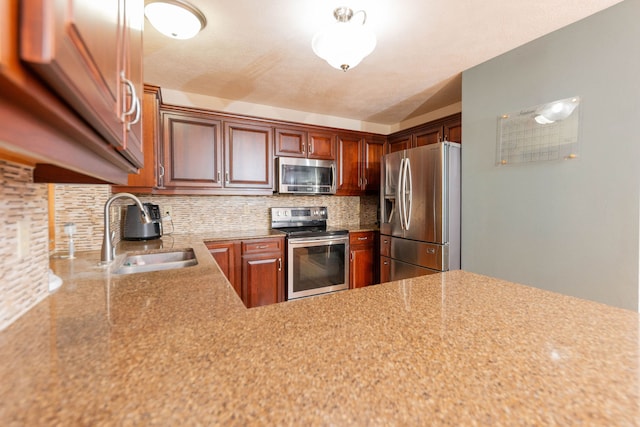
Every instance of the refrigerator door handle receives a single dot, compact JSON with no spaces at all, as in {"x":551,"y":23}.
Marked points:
{"x":400,"y":194}
{"x":409,"y":184}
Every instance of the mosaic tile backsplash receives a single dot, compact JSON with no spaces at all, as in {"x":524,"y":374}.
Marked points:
{"x":24,"y":211}
{"x":83,"y":205}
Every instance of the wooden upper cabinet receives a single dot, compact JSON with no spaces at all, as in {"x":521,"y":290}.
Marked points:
{"x":429,"y":135}
{"x":359,"y":163}
{"x":322,"y":145}
{"x":192,"y":150}
{"x":90,"y":53}
{"x":453,"y":130}
{"x":292,"y":142}
{"x":148,"y":175}
{"x":446,"y":129}
{"x":248,"y":156}
{"x":373,"y":151}
{"x":399,"y":143}
{"x":349,"y":164}
{"x":133,"y":79}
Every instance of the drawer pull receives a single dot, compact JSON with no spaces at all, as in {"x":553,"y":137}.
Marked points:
{"x":363,"y":238}
{"x":262,"y":246}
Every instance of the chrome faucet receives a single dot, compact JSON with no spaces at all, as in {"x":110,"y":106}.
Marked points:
{"x":108,"y":253}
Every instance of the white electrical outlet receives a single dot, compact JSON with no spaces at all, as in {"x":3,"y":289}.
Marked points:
{"x":167,"y":211}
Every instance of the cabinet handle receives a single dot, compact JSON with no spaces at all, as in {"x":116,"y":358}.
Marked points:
{"x":303,"y":147}
{"x":135,"y":104}
{"x":279,"y":264}
{"x":363,"y":238}
{"x":138,"y":112}
{"x":262,"y":246}
{"x":160,"y":176}
{"x":226,"y":177}
{"x":385,"y":241}
{"x":311,"y":147}
{"x":218,"y":175}
{"x":351,"y":256}
{"x":385,"y":262}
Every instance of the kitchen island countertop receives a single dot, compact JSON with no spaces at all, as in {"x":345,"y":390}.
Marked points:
{"x":179,"y":348}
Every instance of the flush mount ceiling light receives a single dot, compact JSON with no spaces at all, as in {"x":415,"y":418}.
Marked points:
{"x":175,"y":18}
{"x":344,"y":43}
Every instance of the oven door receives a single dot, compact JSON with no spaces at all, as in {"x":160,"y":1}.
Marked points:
{"x":317,"y":265}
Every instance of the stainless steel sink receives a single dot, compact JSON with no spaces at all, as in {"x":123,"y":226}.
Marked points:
{"x":142,"y":263}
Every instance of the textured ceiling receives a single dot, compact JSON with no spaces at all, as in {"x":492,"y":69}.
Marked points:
{"x":260,"y":52}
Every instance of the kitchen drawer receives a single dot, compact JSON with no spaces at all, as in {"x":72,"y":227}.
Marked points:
{"x":266,"y":245}
{"x":361,"y":238}
{"x":385,"y":246}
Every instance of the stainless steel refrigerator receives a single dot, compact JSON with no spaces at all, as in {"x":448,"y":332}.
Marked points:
{"x":420,"y":211}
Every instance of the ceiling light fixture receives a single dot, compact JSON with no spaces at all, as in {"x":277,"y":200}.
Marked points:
{"x":175,"y":18}
{"x":344,"y":43}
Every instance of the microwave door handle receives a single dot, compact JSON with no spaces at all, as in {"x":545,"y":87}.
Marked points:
{"x":333,"y":177}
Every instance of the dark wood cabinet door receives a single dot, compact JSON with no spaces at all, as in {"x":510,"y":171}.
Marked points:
{"x":361,"y":260}
{"x":192,"y":150}
{"x":373,"y":151}
{"x":148,"y":175}
{"x":349,"y":165}
{"x":248,"y":156}
{"x":399,"y":143}
{"x":291,"y":142}
{"x":80,"y":48}
{"x":262,"y":279}
{"x":453,"y":130}
{"x":322,"y":146}
{"x":132,"y":71}
{"x":225,"y":254}
{"x":431,"y":135}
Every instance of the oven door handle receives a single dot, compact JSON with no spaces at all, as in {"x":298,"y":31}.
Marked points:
{"x":323,"y":240}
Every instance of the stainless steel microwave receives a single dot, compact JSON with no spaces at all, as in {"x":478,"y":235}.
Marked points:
{"x":306,"y":176}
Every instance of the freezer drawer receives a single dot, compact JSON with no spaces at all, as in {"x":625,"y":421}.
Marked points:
{"x":392,"y":269}
{"x":428,"y":255}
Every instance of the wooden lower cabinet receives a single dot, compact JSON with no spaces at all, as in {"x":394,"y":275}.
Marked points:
{"x":226,"y":255}
{"x":362,"y":270}
{"x":254,"y":267}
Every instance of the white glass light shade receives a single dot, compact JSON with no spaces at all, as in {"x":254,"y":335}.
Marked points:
{"x":175,"y":18}
{"x":344,"y":44}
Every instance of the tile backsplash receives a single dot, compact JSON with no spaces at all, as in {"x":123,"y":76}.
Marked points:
{"x":23,"y":268}
{"x":83,"y":205}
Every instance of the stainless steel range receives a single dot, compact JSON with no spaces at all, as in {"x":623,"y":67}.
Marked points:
{"x":317,"y":257}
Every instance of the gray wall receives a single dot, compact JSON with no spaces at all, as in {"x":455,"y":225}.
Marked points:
{"x":568,"y":226}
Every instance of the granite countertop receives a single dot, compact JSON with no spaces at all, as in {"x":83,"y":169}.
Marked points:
{"x":179,"y":348}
